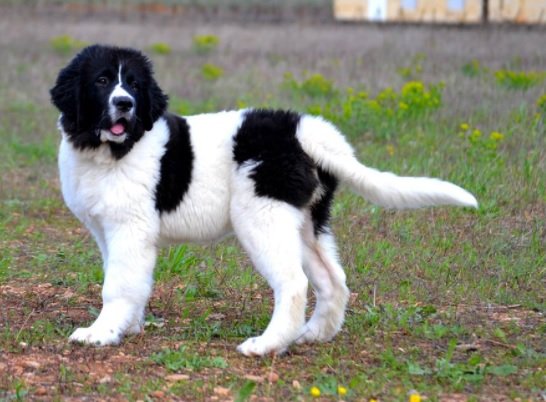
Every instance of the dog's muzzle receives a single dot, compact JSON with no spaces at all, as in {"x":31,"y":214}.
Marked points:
{"x":122,"y":117}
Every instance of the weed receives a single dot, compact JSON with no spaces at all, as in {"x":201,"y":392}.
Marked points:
{"x":161,"y":48}
{"x":181,"y":358}
{"x":480,"y":145}
{"x":356,"y":112}
{"x":440,"y":331}
{"x":211,"y":72}
{"x":21,"y":391}
{"x":314,"y":86}
{"x":314,"y":391}
{"x":31,"y":153}
{"x":65,"y":44}
{"x":205,"y":44}
{"x":185,"y":107}
{"x":245,"y":392}
{"x":5,"y":262}
{"x":176,"y":262}
{"x":414,"y":70}
{"x":66,"y":374}
{"x":472,"y":69}
{"x":328,"y":385}
{"x":541,"y":104}
{"x":521,"y":80}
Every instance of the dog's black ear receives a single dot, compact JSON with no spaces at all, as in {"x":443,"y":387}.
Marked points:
{"x":153,"y":104}
{"x":65,"y":95}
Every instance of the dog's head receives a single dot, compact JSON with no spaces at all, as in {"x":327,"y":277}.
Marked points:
{"x":108,"y":94}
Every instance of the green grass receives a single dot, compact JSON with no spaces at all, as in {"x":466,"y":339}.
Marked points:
{"x":181,"y":358}
{"x":444,"y":301}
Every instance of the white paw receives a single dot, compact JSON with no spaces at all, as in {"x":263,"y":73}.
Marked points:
{"x":312,"y":332}
{"x":135,"y":329}
{"x":94,"y":335}
{"x":260,"y":346}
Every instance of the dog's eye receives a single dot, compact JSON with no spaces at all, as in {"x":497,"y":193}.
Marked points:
{"x":102,"y":81}
{"x":134,"y":85}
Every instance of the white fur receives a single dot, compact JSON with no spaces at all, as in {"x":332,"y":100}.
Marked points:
{"x":119,"y":91}
{"x":322,"y":267}
{"x":323,"y":142}
{"x":269,"y":231}
{"x":115,"y":200}
{"x":203,"y":214}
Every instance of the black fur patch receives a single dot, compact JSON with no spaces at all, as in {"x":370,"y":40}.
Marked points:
{"x":84,"y":104}
{"x":284,"y":171}
{"x":320,"y":210}
{"x":176,"y":166}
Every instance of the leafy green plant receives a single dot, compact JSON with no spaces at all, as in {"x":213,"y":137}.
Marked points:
{"x":185,"y":107}
{"x":245,"y":391}
{"x":541,"y":104}
{"x":21,"y":391}
{"x":211,"y":72}
{"x":472,"y":69}
{"x":358,"y":111}
{"x":313,"y":86}
{"x":481,"y":145}
{"x":415,"y":98}
{"x":521,"y":80}
{"x":161,"y":48}
{"x":205,"y":44}
{"x":176,"y":261}
{"x":182,"y":358}
{"x":327,"y":385}
{"x":414,"y":70}
{"x":317,"y":85}
{"x":65,"y":44}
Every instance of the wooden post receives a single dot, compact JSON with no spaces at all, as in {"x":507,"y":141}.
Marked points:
{"x":485,"y":11}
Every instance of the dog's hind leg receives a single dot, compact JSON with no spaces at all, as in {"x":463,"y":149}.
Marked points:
{"x":269,"y":231}
{"x":327,"y":277}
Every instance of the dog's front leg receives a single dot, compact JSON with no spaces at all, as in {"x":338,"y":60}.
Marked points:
{"x":127,"y":286}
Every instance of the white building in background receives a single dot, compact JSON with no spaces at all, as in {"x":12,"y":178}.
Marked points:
{"x":442,"y":11}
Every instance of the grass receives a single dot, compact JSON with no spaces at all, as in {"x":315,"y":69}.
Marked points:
{"x":181,"y":358}
{"x":447,"y":303}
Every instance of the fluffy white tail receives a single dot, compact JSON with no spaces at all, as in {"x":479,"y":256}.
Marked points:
{"x":329,"y":149}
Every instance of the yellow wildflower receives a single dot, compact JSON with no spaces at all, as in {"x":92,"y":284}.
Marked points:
{"x":390,"y":149}
{"x":315,"y":392}
{"x":465,"y":127}
{"x":496,"y":136}
{"x":414,"y":397}
{"x":403,"y":106}
{"x":341,"y":390}
{"x":475,"y":136}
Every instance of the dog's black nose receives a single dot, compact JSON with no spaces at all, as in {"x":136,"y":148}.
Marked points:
{"x":123,"y":103}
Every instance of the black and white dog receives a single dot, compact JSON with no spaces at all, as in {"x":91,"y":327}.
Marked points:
{"x":139,"y":177}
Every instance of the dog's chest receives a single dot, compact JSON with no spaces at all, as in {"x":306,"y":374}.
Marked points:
{"x":98,"y":190}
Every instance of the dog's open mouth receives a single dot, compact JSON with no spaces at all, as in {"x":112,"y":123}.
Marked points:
{"x":119,"y":127}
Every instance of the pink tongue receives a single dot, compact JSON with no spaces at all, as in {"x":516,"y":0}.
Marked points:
{"x":117,"y":129}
